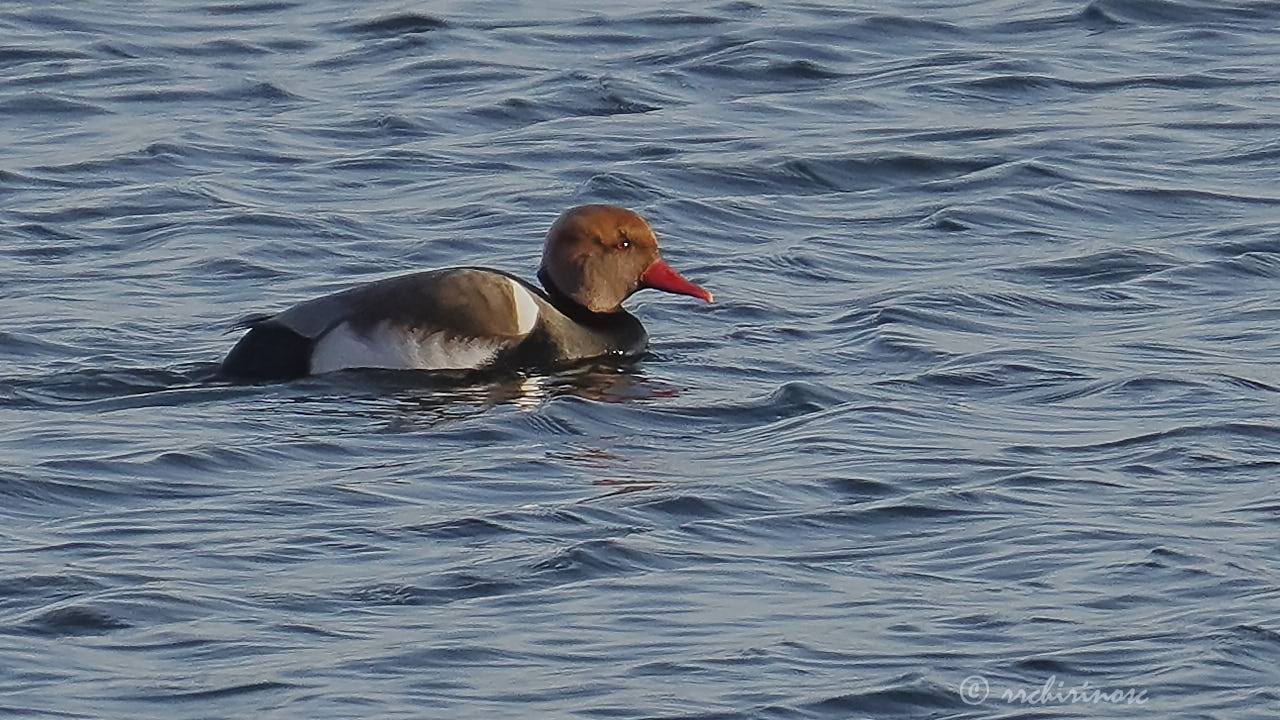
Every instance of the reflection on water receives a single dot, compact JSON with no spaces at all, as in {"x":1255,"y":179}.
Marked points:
{"x":432,"y":398}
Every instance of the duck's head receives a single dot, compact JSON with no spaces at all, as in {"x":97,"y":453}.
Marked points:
{"x":598,"y":255}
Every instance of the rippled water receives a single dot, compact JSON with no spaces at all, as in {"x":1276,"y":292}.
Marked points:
{"x":989,"y":390}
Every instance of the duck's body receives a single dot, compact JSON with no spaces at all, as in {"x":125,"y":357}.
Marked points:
{"x":476,"y":318}
{"x":451,"y":319}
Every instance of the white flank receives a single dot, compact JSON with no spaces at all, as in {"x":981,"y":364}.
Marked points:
{"x":387,"y":346}
{"x":526,"y":307}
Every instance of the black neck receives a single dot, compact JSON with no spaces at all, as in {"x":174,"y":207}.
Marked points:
{"x":574,"y":309}
{"x":619,"y":331}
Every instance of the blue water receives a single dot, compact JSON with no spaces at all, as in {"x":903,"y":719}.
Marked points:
{"x":989,"y":390}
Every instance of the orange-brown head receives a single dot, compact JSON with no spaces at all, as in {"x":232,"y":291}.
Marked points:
{"x":598,"y":255}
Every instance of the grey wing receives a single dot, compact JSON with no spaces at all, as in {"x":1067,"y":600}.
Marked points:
{"x":460,"y":301}
{"x":454,"y":318}
{"x":314,"y":318}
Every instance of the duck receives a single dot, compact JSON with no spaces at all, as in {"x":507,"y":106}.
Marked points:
{"x":477,"y":318}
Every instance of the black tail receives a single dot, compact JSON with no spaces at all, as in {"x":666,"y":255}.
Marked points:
{"x":249,"y":321}
{"x":269,"y":351}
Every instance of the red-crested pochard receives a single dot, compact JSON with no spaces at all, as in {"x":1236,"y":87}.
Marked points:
{"x":595,"y":257}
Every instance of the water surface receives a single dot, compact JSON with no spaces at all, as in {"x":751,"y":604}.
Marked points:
{"x":989,"y":389}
